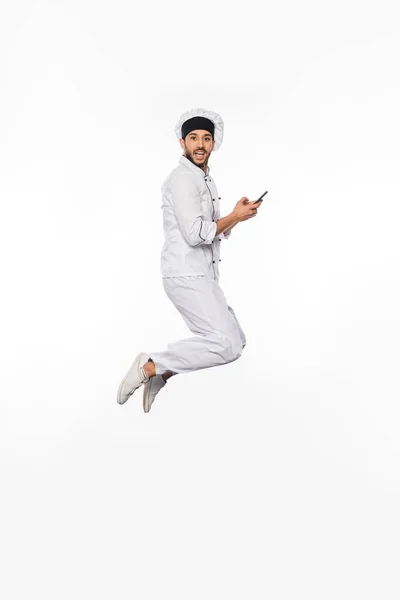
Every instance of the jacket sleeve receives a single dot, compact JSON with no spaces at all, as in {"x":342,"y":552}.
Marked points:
{"x":185,"y":199}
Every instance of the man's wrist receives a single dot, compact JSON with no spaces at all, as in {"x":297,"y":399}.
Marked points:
{"x":235,"y":220}
{"x":226,"y":223}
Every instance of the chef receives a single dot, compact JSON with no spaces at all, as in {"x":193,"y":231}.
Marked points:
{"x":190,"y":259}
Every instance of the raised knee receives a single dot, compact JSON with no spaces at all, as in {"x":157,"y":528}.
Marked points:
{"x":238,"y":352}
{"x":240,"y":349}
{"x":233,"y":348}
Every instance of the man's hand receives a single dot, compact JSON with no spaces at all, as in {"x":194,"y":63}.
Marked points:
{"x":244,"y":209}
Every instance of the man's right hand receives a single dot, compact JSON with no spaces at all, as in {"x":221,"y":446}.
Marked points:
{"x":244,"y":209}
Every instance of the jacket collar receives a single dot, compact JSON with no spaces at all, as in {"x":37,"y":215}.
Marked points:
{"x":185,"y":162}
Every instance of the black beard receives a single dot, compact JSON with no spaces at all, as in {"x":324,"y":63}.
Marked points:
{"x":189,"y":157}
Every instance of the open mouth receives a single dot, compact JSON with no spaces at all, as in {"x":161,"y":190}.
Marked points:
{"x":199,"y":154}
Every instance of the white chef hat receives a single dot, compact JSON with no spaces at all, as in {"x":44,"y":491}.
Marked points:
{"x":212,"y":116}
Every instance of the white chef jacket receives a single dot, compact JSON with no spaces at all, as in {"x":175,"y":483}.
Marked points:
{"x":190,"y":206}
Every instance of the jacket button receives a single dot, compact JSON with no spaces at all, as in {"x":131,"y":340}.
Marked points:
{"x":219,"y":197}
{"x":220,"y":259}
{"x":213,"y":199}
{"x":213,"y":260}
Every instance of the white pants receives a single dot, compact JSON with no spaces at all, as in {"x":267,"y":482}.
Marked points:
{"x":219,"y":338}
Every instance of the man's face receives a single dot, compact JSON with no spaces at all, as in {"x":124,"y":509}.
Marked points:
{"x":197,"y":147}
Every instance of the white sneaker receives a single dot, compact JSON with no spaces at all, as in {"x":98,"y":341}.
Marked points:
{"x":134,"y":378}
{"x":150,"y":391}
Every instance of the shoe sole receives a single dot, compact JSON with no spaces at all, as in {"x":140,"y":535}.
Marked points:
{"x":146,"y":396}
{"x":137,"y":360}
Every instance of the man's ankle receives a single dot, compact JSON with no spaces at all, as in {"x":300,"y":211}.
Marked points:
{"x":166,"y":375}
{"x":149,"y":368}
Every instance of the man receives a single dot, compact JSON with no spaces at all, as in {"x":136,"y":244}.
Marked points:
{"x":190,"y":263}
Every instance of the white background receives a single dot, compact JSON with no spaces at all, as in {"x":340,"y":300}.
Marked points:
{"x":276,"y":476}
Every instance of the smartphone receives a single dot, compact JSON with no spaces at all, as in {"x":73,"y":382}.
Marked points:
{"x":261,"y":197}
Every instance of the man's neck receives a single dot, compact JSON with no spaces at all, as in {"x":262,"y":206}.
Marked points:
{"x":204,"y":168}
